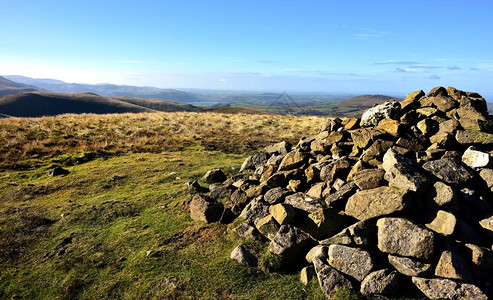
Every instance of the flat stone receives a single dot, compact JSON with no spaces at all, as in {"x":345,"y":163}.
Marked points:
{"x":409,"y":266}
{"x":279,"y":148}
{"x":390,"y":126}
{"x":474,"y":137}
{"x":381,"y":201}
{"x":411,"y":100}
{"x":276,"y":195}
{"x":243,"y":255}
{"x":362,"y":233}
{"x":340,"y":197}
{"x":381,"y":282}
{"x":448,"y":289}
{"x":283,"y":213}
{"x":368,"y":178}
{"x":299,"y":201}
{"x":403,"y":237}
{"x":444,"y":223}
{"x":475,"y":158}
{"x":364,"y":136}
{"x":402,"y":174}
{"x":351,"y":261}
{"x":449,"y":170}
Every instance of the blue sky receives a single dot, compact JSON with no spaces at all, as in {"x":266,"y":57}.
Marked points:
{"x":391,"y":47}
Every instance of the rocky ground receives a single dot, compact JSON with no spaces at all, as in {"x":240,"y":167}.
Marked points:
{"x":395,"y":203}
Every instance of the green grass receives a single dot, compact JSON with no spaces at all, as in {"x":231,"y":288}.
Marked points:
{"x":86,"y":235}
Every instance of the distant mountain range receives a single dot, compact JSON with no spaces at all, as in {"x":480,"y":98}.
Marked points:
{"x":41,"y":103}
{"x":8,"y":87}
{"x":107,"y":90}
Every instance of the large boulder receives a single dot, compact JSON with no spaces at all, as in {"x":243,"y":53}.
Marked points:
{"x":292,"y":160}
{"x":351,"y":261}
{"x":255,"y":161}
{"x":447,"y":289}
{"x":243,"y":255}
{"x":372,"y":116}
{"x":330,"y":279}
{"x":381,"y":201}
{"x":215,"y":176}
{"x":403,"y":237}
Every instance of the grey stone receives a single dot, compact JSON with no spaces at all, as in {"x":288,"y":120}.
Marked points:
{"x":368,"y":178}
{"x":256,"y":209}
{"x":362,"y":233}
{"x":215,"y":176}
{"x":452,"y":265}
{"x":381,"y":282}
{"x":319,"y":251}
{"x":303,"y":203}
{"x":205,"y":209}
{"x":276,"y":195}
{"x":403,"y":237}
{"x":372,"y":116}
{"x":255,"y":161}
{"x":448,"y":289}
{"x":329,"y":279}
{"x":243,"y":255}
{"x":267,"y":226}
{"x":246,"y":231}
{"x":402,"y":174}
{"x":307,"y":274}
{"x":409,"y":266}
{"x":340,"y":197}
{"x":289,"y":241}
{"x":292,"y":160}
{"x":440,"y":195}
{"x":381,"y":201}
{"x":351,"y":261}
{"x":449,"y":170}
{"x":475,"y":158}
{"x":279,"y":148}
{"x":444,"y":223}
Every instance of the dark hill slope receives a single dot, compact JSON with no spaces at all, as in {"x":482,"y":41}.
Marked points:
{"x":37,"y":104}
{"x":158,"y":104}
{"x":237,"y":110}
{"x":365,"y":101}
{"x":8,"y":87}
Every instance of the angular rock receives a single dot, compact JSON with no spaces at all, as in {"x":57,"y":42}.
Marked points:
{"x":238,"y":200}
{"x":363,"y":136}
{"x":411,"y":100}
{"x":315,"y":192}
{"x":205,"y":209}
{"x":427,"y":127}
{"x":292,"y":160}
{"x":381,"y":201}
{"x":329,"y":279}
{"x":337,"y":169}
{"x":440,"y":195}
{"x":437,"y":91}
{"x":322,"y":222}
{"x":195,"y":188}
{"x":319,"y":251}
{"x":289,"y":241}
{"x":303,"y":203}
{"x":381,"y":282}
{"x":373,"y":153}
{"x":402,"y":174}
{"x":449,"y":170}
{"x":294,"y":185}
{"x":276,"y":195}
{"x":256,"y":209}
{"x":282,"y":213}
{"x":217,"y":191}
{"x":487,"y":176}
{"x":254,"y":161}
{"x":246,"y":232}
{"x":58,"y":171}
{"x":451,"y":265}
{"x":474,"y":137}
{"x":390,"y":126}
{"x":480,"y":256}
{"x":448,"y":289}
{"x":368,"y":178}
{"x":444,"y":223}
{"x":340,"y":197}
{"x":243,"y":255}
{"x":372,"y":116}
{"x":403,"y":237}
{"x":351,"y":261}
{"x":215,"y":176}
{"x":475,"y":158}
{"x":409,"y":266}
{"x":362,"y":233}
{"x":487,"y":224}
{"x":307,"y":274}
{"x":267,"y":226}
{"x":279,"y":148}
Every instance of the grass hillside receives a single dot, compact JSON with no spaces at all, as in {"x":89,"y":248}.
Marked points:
{"x":236,"y":110}
{"x":8,"y":87}
{"x":117,"y":226}
{"x":355,"y":106}
{"x":37,"y":104}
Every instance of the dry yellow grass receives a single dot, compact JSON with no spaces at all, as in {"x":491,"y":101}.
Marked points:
{"x":23,"y":139}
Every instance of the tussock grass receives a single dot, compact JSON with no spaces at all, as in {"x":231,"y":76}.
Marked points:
{"x":70,"y":139}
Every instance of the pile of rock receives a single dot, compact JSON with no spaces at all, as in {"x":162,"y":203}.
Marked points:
{"x":395,"y":201}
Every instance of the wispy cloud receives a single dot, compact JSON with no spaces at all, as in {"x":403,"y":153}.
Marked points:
{"x":393,"y":62}
{"x":404,"y":70}
{"x":474,"y":69}
{"x":338,"y":74}
{"x":267,"y":61}
{"x":426,"y":67}
{"x":369,"y":34}
{"x":131,"y":61}
{"x":433,"y":77}
{"x":454,"y":68}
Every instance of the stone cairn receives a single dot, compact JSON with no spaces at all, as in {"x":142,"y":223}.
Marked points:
{"x":395,"y":203}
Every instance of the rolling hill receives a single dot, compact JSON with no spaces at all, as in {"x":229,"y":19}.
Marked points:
{"x":107,"y":90}
{"x":356,"y":105}
{"x":8,"y":87}
{"x":37,"y":104}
